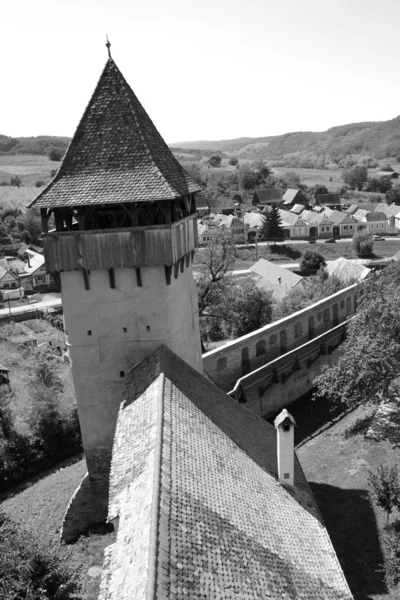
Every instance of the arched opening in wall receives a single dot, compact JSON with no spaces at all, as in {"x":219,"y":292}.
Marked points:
{"x":348,"y":304}
{"x":261,"y":348}
{"x":311,"y":328}
{"x":273,"y":340}
{"x":283,"y":340}
{"x":336,"y":232}
{"x":341,"y":304}
{"x":335,"y":315}
{"x":245,"y":361}
{"x":313,"y":232}
{"x":326,"y":315}
{"x":298,"y":331}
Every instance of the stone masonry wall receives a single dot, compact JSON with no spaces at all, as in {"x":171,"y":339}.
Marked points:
{"x":227,"y":364}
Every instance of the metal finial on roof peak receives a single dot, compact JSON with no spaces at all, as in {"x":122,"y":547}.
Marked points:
{"x":108,"y":45}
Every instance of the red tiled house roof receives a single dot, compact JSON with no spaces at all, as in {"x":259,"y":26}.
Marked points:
{"x":116,"y":154}
{"x":201,"y":512}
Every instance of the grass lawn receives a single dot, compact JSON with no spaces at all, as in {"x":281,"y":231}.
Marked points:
{"x":337,"y":463}
{"x":41,"y":508}
{"x":292,"y":252}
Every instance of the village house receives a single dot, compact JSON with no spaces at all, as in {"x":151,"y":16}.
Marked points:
{"x":8,"y":277}
{"x":275,"y":279}
{"x":297,"y":209}
{"x":330,"y":200}
{"x":372,"y":222}
{"x":342,"y":224}
{"x":232,"y":224}
{"x":34,"y":275}
{"x":390,"y":210}
{"x":351,"y":209}
{"x":293,"y":225}
{"x":320,"y":225}
{"x":347,"y":271}
{"x":293,"y":196}
{"x":267,"y":197}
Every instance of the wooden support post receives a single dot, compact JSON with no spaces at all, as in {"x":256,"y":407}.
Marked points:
{"x":129,"y":213}
{"x":45,"y":219}
{"x":57,"y":279}
{"x":182,"y":264}
{"x":139,"y":277}
{"x":187,"y":259}
{"x":168,"y":272}
{"x":176,"y":269}
{"x":111,"y":275}
{"x":58,"y":219}
{"x":86,"y":278}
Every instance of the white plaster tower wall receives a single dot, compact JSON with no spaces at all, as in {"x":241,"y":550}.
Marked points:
{"x":110,"y":330}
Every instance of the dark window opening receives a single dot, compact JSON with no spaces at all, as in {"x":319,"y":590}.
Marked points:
{"x":147,"y":327}
{"x":89,"y":332}
{"x":125,"y":329}
{"x":122,"y":373}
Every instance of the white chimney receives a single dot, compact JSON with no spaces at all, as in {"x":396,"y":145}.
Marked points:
{"x":285,"y":425}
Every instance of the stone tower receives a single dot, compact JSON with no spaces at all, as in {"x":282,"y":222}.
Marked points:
{"x":122,"y":250}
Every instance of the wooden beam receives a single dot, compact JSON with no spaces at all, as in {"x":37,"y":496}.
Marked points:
{"x":111,"y":275}
{"x":86,"y":278}
{"x":168,"y":272}
{"x":129,"y":213}
{"x":58,"y":217}
{"x":187,"y":259}
{"x":44,"y":216}
{"x":182,"y":264}
{"x":176,"y":269}
{"x":139,"y":277}
{"x":57,"y":279}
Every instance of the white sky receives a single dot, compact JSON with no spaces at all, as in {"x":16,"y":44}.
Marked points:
{"x":203,"y":69}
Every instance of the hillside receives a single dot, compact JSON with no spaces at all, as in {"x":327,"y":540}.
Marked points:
{"x":40,"y":144}
{"x":378,"y":139}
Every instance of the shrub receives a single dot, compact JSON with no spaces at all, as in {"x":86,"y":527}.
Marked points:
{"x":311,"y":262}
{"x":214,"y":161}
{"x":363,"y":244}
{"x":39,"y":183}
{"x":385,"y":487}
{"x":28,"y":570}
{"x":55,"y":154}
{"x":233,"y":161}
{"x":46,"y":375}
{"x":387,"y":168}
{"x":15,"y":181}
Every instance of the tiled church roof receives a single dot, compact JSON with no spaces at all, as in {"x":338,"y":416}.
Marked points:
{"x":201,"y":513}
{"x":116,"y":154}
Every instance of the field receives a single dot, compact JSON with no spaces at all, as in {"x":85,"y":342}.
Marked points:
{"x":30,"y":169}
{"x":291,"y":253}
{"x":337,"y":463}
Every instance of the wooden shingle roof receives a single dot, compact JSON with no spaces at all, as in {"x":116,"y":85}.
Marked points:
{"x":201,"y":513}
{"x":116,"y":154}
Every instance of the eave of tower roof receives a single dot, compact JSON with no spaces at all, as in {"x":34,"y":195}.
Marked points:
{"x":116,"y":154}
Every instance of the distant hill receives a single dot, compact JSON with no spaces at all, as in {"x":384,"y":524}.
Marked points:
{"x":40,"y":144}
{"x":379,"y":139}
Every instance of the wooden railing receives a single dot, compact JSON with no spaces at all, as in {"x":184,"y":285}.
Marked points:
{"x":120,"y":248}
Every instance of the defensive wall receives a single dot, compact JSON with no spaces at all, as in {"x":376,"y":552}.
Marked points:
{"x":275,"y":385}
{"x":229,"y":363}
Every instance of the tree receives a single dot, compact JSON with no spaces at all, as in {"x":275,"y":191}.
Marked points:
{"x":385,"y":488}
{"x":55,"y":154}
{"x":370,"y":354}
{"x":214,"y":161}
{"x":16,"y":181}
{"x":233,"y":161}
{"x":356,"y":176}
{"x":363,"y":243}
{"x":272,"y":225}
{"x":392,"y":196}
{"x":320,"y":189}
{"x":379,"y":184}
{"x":259,"y":166}
{"x":251,"y":308}
{"x":292,"y":179}
{"x":311,"y":262}
{"x":46,"y":374}
{"x":387,"y":168}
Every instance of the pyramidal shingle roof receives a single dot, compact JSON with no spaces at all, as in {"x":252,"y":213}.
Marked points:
{"x":116,"y":154}
{"x":201,"y":513}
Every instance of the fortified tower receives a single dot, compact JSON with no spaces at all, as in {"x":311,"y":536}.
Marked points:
{"x":121,"y":251}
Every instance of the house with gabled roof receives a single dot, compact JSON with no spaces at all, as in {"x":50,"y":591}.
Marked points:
{"x":319,"y":223}
{"x":8,"y":277}
{"x":267,"y":197}
{"x":297,"y":209}
{"x":207,"y":499}
{"x":352,"y":209}
{"x":274,"y":278}
{"x":343,"y":224}
{"x":347,"y":271}
{"x":372,"y":222}
{"x":332,"y":200}
{"x":390,"y":210}
{"x":293,"y":196}
{"x":293,"y":225}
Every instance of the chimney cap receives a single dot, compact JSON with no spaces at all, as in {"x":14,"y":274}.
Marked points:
{"x":282,"y":417}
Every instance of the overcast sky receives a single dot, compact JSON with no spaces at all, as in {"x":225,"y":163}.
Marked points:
{"x":206,"y":69}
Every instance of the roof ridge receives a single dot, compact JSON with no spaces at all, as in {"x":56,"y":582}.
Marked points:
{"x":156,"y":501}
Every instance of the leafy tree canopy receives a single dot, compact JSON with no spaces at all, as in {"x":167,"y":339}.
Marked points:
{"x":370,"y":359}
{"x":311,"y":262}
